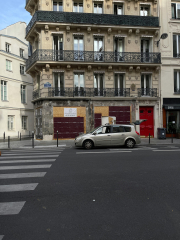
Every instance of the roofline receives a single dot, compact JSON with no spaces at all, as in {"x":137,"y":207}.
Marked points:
{"x":3,"y":35}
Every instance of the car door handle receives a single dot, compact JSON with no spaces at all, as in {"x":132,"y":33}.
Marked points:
{"x":109,"y":135}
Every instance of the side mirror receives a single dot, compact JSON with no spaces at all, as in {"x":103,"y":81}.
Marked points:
{"x":95,"y":133}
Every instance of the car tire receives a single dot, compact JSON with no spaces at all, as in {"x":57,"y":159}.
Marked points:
{"x":88,"y":144}
{"x":130,"y":143}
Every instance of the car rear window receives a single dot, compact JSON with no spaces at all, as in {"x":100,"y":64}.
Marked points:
{"x":118,"y":129}
{"x":127,"y":129}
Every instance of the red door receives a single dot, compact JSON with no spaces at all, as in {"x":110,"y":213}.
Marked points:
{"x":147,"y":126}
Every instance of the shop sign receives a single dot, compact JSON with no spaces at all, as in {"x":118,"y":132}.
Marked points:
{"x":70,"y":112}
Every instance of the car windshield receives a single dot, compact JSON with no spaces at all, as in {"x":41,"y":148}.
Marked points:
{"x":94,"y":129}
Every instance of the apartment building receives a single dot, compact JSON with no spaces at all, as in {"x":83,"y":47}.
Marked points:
{"x":94,"y":62}
{"x":170,"y":72}
{"x":16,"y":109}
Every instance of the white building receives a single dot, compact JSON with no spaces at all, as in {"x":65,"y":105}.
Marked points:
{"x":16,"y":109}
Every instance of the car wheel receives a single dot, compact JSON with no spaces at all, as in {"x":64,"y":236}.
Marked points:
{"x":88,"y":144}
{"x":130,"y":143}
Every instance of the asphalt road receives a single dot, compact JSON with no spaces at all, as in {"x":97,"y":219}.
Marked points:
{"x":99,"y":194}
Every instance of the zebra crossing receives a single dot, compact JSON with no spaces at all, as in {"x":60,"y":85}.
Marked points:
{"x":32,"y":162}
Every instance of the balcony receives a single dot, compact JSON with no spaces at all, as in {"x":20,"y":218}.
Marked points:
{"x":91,"y":18}
{"x":147,"y":92}
{"x":92,"y":57}
{"x":82,"y":92}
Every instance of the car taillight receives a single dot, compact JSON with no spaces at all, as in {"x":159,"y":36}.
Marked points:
{"x":137,"y":133}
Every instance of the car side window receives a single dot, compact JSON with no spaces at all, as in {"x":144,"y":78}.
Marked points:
{"x":127,"y":129}
{"x":118,"y":129}
{"x":103,"y":130}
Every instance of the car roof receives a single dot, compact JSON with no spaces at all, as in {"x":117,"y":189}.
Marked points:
{"x":115,"y":125}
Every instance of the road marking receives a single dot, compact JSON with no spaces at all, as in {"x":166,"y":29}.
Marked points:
{"x":19,"y":154}
{"x":11,"y":208}
{"x":29,"y":156}
{"x":1,"y":237}
{"x":175,"y":150}
{"x":22,"y":175}
{"x":25,"y":167}
{"x":44,"y":146}
{"x":103,"y":152}
{"x":27,"y":161}
{"x":18,"y":187}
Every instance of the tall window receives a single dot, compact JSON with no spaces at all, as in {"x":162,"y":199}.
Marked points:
{"x":144,"y":10}
{"x":98,"y":49}
{"x":10,"y":122}
{"x":59,"y":84}
{"x":3,"y":90}
{"x":79,"y":84}
{"x":22,"y":69}
{"x":21,"y":52}
{"x":23,"y":93}
{"x":176,"y":45}
{"x":119,"y":84}
{"x":78,"y":48}
{"x":175,"y":9}
{"x":78,"y":7}
{"x":7,"y":46}
{"x":57,"y":6}
{"x":177,"y":81}
{"x":118,"y":9}
{"x":98,"y":84}
{"x":24,"y":122}
{"x":145,"y":84}
{"x":8,"y":65}
{"x":98,"y":8}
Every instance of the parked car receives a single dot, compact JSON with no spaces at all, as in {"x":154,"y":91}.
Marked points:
{"x":109,"y":135}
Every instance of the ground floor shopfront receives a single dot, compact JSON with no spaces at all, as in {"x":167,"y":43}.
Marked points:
{"x":69,"y":118}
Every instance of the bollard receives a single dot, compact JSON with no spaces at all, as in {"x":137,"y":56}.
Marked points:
{"x":29,"y":134}
{"x":149,"y":138}
{"x":0,"y":153}
{"x":32,"y":139}
{"x":57,"y":138}
{"x":172,"y":138}
{"x":4,"y":136}
{"x":8,"y":141}
{"x":20,"y":136}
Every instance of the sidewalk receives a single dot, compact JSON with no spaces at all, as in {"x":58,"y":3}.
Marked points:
{"x":69,"y":143}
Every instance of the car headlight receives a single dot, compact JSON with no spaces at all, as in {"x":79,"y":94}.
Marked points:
{"x":78,"y":138}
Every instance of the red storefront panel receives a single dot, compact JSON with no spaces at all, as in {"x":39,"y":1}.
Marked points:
{"x":122,"y":114}
{"x":147,"y":126}
{"x":97,"y":120}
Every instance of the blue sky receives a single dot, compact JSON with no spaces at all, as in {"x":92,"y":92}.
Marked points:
{"x":13,"y":11}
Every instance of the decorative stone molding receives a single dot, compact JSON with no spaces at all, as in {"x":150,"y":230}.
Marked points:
{"x":99,"y":30}
{"x":79,"y":67}
{"x":109,"y":78}
{"x":68,"y":67}
{"x":89,"y":67}
{"x":89,"y":30}
{"x":129,"y":41}
{"x":46,"y":28}
{"x":130,"y":68}
{"x":136,"y":41}
{"x":137,"y":31}
{"x":57,"y":29}
{"x":109,"y":30}
{"x":47,"y":38}
{"x":130,"y":32}
{"x":156,"y":33}
{"x":157,"y":69}
{"x":47,"y":3}
{"x":78,"y":29}
{"x":138,"y":69}
{"x":47,"y":67}
{"x":68,"y":39}
{"x":68,"y":29}
{"x":133,"y":87}
{"x":109,"y":68}
{"x":88,"y":5}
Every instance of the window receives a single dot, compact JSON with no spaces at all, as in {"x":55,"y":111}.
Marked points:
{"x":118,"y":9}
{"x":23,"y":93}
{"x":24,"y":122}
{"x":117,"y":129}
{"x":175,"y":9}
{"x":10,"y":122}
{"x":177,"y":81}
{"x":98,"y":84}
{"x":104,"y":130}
{"x":22,"y":69}
{"x":144,"y":10}
{"x":145,"y":84}
{"x":78,"y":7}
{"x":58,"y":6}
{"x":78,"y":49}
{"x":59,"y":84}
{"x":98,"y":8}
{"x":98,"y":49}
{"x":119,"y":84}
{"x":176,"y":45}
{"x":127,"y":129}
{"x":79,"y":84}
{"x":3,"y":90}
{"x":21,"y":51}
{"x":8,"y":65}
{"x":7,"y":47}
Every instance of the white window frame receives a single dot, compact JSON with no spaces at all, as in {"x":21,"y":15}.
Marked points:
{"x":8,"y":65}
{"x":145,"y":5}
{"x":78,"y":3}
{"x":21,"y":52}
{"x":178,"y":81}
{"x":3,"y":90}
{"x":177,"y":45}
{"x":97,"y":3}
{"x":118,"y":5}
{"x":98,"y":83}
{"x":150,"y":83}
{"x":22,"y":69}
{"x":23,"y":94}
{"x":176,"y":10}
{"x":24,"y":122}
{"x":57,"y":5}
{"x":8,"y":47}
{"x":11,"y":122}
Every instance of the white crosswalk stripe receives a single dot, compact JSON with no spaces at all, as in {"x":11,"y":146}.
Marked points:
{"x":18,"y":187}
{"x":22,"y":175}
{"x":26,"y":161}
{"x":11,"y":208}
{"x":1,"y":237}
{"x":42,"y":156}
{"x":25,"y":167}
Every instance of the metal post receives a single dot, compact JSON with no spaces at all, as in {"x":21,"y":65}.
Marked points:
{"x":32,"y":139}
{"x":4,"y":136}
{"x":29,"y":134}
{"x":20,"y":136}
{"x":149,"y":138}
{"x":8,"y":141}
{"x":172,"y":138}
{"x":57,"y":138}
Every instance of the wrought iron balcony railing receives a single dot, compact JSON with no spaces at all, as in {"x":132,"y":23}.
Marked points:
{"x":91,"y":56}
{"x":147,"y":92}
{"x":83,"y":92}
{"x":92,"y":18}
{"x":36,"y":94}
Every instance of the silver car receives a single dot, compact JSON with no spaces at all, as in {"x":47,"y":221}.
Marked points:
{"x":109,"y":135}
